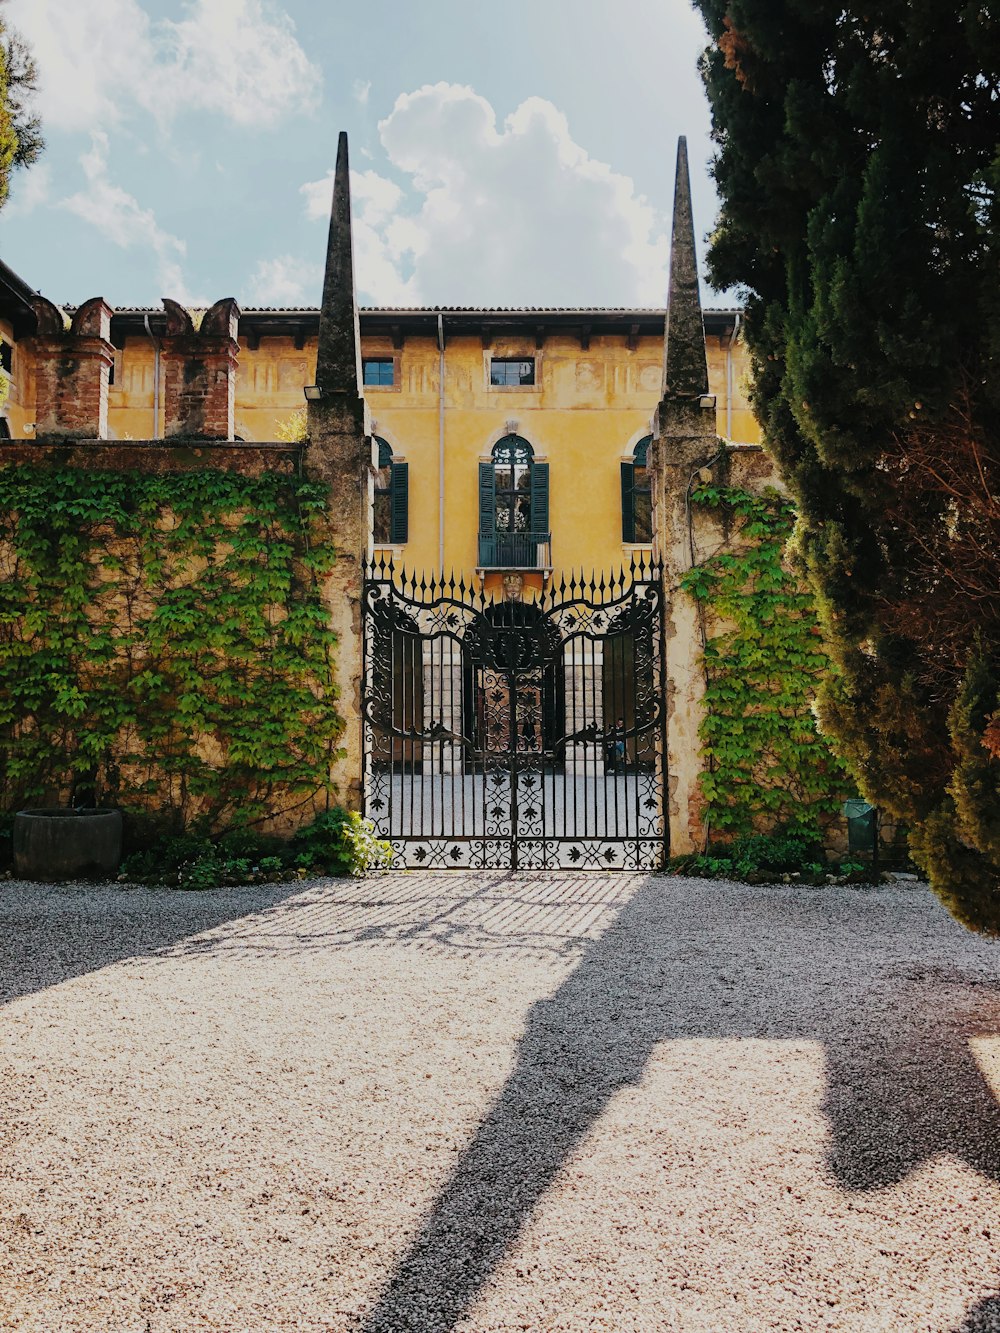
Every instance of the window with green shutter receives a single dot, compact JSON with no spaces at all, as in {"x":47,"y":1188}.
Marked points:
{"x":392,"y":498}
{"x":637,"y":496}
{"x":513,"y":505}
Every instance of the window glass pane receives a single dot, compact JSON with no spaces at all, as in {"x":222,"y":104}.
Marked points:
{"x":383,"y":479}
{"x":643,"y":516}
{"x":504,"y":478}
{"x":522,"y":513}
{"x":522,"y":476}
{"x":378,"y":371}
{"x":383,"y":517}
{"x":507,"y":371}
{"x":503,"y":515}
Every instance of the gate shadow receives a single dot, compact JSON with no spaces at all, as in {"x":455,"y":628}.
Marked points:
{"x":902,"y":1083}
{"x":50,"y":935}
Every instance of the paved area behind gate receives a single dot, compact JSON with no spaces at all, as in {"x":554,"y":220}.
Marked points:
{"x":485,"y":1102}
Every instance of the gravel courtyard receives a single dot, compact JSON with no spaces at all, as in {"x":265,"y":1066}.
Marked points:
{"x":541,"y":1102}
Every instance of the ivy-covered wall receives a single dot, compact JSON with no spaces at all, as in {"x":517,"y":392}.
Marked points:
{"x":765,"y":765}
{"x":163,"y":644}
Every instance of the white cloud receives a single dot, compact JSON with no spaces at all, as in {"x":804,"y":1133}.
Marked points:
{"x":97,"y":61}
{"x":360,"y":90}
{"x":239,"y":58}
{"x":519,"y":214}
{"x":29,"y":190}
{"x":382,"y":238}
{"x":286,"y":281}
{"x":120,"y":217}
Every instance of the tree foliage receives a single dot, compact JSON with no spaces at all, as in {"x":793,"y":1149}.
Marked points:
{"x":858,"y":160}
{"x":20,"y":129}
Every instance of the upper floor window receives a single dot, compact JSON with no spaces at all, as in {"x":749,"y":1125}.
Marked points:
{"x":379,"y":371}
{"x":513,"y":505}
{"x":392,"y":498}
{"x":508,"y":370}
{"x":637,"y":496}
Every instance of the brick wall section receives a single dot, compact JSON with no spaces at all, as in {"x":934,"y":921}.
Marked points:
{"x":155,"y":456}
{"x":71,"y":370}
{"x":199,"y":372}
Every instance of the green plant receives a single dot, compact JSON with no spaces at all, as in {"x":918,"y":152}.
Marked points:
{"x":766,"y":764}
{"x":163,"y":638}
{"x":293,"y":429}
{"x":341,"y":842}
{"x":337,"y":842}
{"x":788,"y":853}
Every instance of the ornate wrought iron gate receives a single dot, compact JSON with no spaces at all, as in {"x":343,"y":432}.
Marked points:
{"x":506,"y":733}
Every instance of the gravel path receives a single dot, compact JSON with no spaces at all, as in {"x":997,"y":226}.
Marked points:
{"x":435,"y":1102}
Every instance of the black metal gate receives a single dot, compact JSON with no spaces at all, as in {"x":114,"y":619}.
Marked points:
{"x":511,"y":732}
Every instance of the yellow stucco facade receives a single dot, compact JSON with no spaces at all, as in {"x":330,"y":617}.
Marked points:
{"x":591,"y":402}
{"x":597,"y":381}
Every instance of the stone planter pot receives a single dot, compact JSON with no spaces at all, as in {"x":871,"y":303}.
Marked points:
{"x":56,"y":844}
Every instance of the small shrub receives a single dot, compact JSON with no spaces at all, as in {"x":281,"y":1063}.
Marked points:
{"x":340,"y":842}
{"x":762,"y":858}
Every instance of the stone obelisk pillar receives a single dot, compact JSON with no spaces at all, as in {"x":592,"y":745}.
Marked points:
{"x":340,"y":456}
{"x":685,"y":439}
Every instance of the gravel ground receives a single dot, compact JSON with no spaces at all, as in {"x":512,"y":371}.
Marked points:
{"x":546,"y":1102}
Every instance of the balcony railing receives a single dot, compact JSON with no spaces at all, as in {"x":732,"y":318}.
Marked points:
{"x":515,"y":550}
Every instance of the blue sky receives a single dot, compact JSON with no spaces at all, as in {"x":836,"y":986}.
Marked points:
{"x":515,"y":153}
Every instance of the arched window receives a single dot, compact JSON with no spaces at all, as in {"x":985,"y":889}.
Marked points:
{"x":513,"y":505}
{"x":637,"y":496}
{"x":392,"y":500}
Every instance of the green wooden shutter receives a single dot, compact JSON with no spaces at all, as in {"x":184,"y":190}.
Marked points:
{"x":628,"y":502}
{"x":487,"y":514}
{"x":400,"y":494}
{"x":487,"y":499}
{"x":540,"y":497}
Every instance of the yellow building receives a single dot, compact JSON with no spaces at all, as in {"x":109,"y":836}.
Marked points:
{"x":508,"y":439}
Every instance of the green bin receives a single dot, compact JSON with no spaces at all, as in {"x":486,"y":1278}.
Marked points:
{"x":862,"y":826}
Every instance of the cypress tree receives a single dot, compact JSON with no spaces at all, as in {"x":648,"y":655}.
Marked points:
{"x":858,"y":162}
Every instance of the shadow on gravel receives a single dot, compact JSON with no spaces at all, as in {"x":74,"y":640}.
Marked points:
{"x":984,"y":1317}
{"x":902,"y":1083}
{"x":51,"y":934}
